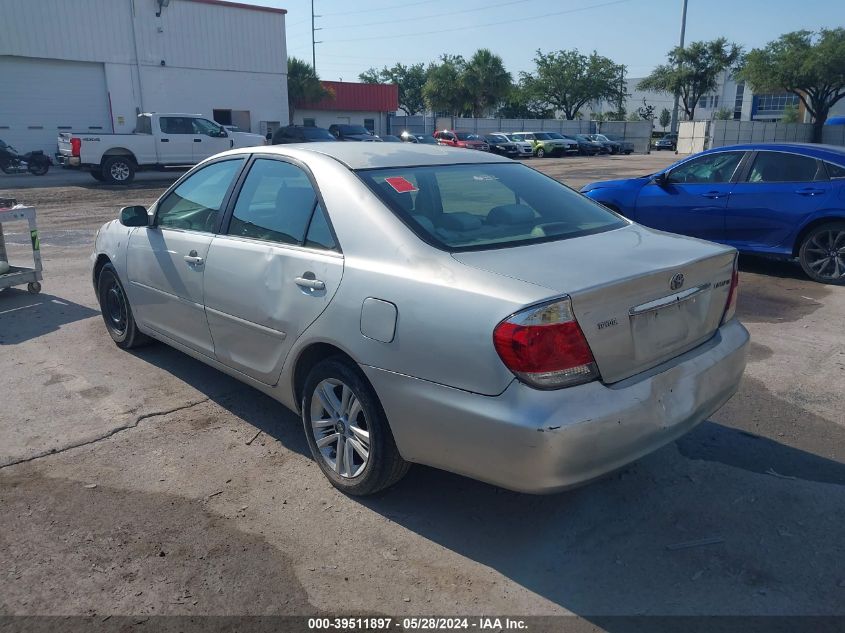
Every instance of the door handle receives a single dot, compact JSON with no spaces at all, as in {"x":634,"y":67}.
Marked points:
{"x":193,"y":258}
{"x":713,"y":195}
{"x":809,"y":191}
{"x":165,"y":140}
{"x":197,"y":140}
{"x":311,"y":284}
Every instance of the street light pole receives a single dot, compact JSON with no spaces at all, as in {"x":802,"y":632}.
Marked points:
{"x":673,"y":127}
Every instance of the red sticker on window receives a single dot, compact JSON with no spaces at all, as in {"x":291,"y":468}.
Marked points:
{"x":401,"y":185}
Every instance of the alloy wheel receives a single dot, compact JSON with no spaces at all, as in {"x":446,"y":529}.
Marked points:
{"x":340,"y":428}
{"x":119,"y":171}
{"x":825,"y":254}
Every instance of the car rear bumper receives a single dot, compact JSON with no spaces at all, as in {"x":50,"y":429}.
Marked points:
{"x":67,"y":161}
{"x":546,"y":441}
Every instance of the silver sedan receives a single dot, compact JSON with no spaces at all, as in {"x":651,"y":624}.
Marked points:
{"x":417,"y":303}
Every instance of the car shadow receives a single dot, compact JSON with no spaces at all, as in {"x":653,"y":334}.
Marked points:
{"x":241,"y":400}
{"x":721,"y":522}
{"x":772,"y":267}
{"x":24,"y":316}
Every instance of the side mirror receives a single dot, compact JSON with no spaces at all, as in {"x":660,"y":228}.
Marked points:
{"x":134,"y":216}
{"x":661,"y":179}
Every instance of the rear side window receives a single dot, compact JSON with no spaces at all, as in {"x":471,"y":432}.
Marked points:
{"x":274,"y":204}
{"x":195,"y":203}
{"x":468,"y":207}
{"x":176,"y":125}
{"x":783,"y":167}
{"x":835,"y":171}
{"x":319,"y":233}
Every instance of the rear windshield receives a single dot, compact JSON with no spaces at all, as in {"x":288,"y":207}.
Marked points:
{"x":353,"y":129}
{"x":469,"y":207}
{"x":315,"y":133}
{"x":466,"y":136}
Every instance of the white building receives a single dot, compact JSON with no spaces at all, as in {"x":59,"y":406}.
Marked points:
{"x":93,"y":65}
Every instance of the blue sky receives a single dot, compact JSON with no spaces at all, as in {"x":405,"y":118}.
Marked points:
{"x":637,"y":33}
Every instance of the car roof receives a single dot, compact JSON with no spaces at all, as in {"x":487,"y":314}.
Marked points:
{"x":810,"y":149}
{"x":381,"y":155}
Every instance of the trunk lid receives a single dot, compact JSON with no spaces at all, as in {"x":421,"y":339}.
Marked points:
{"x":64,"y":143}
{"x":633,"y":309}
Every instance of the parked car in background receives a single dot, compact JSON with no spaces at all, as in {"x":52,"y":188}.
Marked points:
{"x":524,"y":147}
{"x":432,"y":305}
{"x":413,"y":137}
{"x":390,"y":138}
{"x":160,"y":140}
{"x":500,"y":144}
{"x":613,"y":144}
{"x":571,"y":146}
{"x":587,"y":146}
{"x":467,"y":140}
{"x":667,"y":141}
{"x":301,"y":134}
{"x":358,"y":133}
{"x":780,"y":200}
{"x":542,"y":143}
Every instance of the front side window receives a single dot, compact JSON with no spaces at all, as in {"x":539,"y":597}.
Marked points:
{"x":274,"y":204}
{"x":466,"y":207}
{"x":711,"y":168}
{"x":195,"y":203}
{"x":782,"y":167}
{"x":207,"y":128}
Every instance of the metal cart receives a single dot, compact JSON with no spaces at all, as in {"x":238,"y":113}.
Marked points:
{"x":17,"y":275}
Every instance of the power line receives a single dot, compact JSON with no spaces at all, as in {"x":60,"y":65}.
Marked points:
{"x":432,"y":15}
{"x":478,"y":26}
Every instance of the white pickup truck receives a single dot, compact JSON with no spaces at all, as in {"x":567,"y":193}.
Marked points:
{"x":159,"y":141}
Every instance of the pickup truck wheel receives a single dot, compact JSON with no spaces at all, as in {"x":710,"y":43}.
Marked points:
{"x":97,"y":174}
{"x":119,"y":170}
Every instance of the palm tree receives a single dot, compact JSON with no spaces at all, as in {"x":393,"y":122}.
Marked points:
{"x":486,"y":80}
{"x":304,"y":85}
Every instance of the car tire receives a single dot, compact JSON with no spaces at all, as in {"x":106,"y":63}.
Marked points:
{"x":822,"y":253}
{"x":116,"y":311}
{"x":118,"y":170}
{"x":541,"y":153}
{"x":347,"y":429}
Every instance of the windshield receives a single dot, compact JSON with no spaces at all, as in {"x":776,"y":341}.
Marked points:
{"x":555,"y":135}
{"x":599,"y":137}
{"x":466,"y":136}
{"x":543,"y":136}
{"x":353,"y":129}
{"x":317,"y":134}
{"x":467,"y":207}
{"x":495,"y":138}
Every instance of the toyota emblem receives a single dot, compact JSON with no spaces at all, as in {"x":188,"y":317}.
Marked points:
{"x":677,"y":281}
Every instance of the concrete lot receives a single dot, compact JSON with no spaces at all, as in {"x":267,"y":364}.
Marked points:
{"x":134,"y":483}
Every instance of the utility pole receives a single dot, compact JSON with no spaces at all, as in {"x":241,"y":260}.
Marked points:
{"x":313,"y":41}
{"x":673,"y":126}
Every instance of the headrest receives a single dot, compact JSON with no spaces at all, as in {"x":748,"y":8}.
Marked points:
{"x":459,"y":221}
{"x":511,"y":214}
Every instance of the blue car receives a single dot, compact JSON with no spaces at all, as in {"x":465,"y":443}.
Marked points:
{"x":781,"y":200}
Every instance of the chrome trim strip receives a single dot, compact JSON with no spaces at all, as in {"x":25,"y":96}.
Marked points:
{"x":663,"y":302}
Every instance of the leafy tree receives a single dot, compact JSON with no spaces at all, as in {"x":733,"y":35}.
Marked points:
{"x":634,"y":116}
{"x":665,"y":118}
{"x":808,"y":64}
{"x":410,"y":80}
{"x":568,"y":80}
{"x":646,"y":111}
{"x":723,"y":114}
{"x":790,"y":114}
{"x":692,"y":71}
{"x":485,"y":80}
{"x":444,"y":89}
{"x":304,"y":85}
{"x":522,"y":102}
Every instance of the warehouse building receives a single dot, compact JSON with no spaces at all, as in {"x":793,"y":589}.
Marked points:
{"x":93,"y":65}
{"x":369,"y":105}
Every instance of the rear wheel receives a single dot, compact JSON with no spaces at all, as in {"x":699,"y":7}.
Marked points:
{"x":117,"y":313}
{"x":118,"y":170}
{"x":822,"y":253}
{"x":347,"y":430}
{"x":39,"y":166}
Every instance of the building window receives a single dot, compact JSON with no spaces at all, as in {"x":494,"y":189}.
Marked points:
{"x":740,"y":93}
{"x":223,"y":117}
{"x":772,"y":105}
{"x":309,"y":122}
{"x":370,"y":124}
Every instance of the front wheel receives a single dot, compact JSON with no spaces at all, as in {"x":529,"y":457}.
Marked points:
{"x":347,"y":430}
{"x":822,"y":253}
{"x":118,"y":170}
{"x":117,"y":313}
{"x":541,"y":153}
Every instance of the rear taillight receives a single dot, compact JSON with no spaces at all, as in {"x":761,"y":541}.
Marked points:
{"x":545,"y":347}
{"x":75,"y":146}
{"x":730,"y":305}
